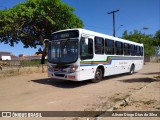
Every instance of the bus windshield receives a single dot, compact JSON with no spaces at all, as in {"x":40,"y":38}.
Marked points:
{"x":63,"y":51}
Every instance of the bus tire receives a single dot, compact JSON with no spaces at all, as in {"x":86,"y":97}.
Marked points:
{"x":98,"y":76}
{"x":131,"y":69}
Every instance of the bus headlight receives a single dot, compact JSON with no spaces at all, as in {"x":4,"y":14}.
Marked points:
{"x":72,"y":69}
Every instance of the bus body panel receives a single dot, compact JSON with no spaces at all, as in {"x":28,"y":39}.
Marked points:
{"x":87,"y":70}
{"x":112,"y":64}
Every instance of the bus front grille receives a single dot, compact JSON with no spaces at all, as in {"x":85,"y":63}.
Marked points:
{"x":59,"y":75}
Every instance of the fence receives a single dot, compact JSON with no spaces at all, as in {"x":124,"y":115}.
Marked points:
{"x":20,"y":62}
{"x":152,"y":58}
{"x":14,"y":67}
{"x":10,"y":62}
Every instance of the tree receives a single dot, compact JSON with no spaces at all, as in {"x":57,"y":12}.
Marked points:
{"x":157,"y":38}
{"x":157,"y":41}
{"x":147,"y":40}
{"x":32,"y":21}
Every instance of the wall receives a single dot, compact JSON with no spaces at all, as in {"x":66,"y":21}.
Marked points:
{"x":6,"y":57}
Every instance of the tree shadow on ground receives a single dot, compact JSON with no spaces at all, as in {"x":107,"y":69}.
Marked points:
{"x":70,"y":84}
{"x":110,"y":77}
{"x":62,"y":83}
{"x":132,"y":80}
{"x":74,"y":84}
{"x":151,"y":73}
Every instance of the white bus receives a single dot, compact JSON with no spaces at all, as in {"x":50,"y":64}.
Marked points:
{"x":79,"y":54}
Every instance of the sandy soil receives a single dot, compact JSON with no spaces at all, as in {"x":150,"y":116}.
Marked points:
{"x":37,"y":92}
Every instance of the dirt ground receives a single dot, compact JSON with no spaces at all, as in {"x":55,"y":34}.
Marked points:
{"x":37,"y":92}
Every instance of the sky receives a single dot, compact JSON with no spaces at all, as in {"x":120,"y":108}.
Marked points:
{"x":132,"y":15}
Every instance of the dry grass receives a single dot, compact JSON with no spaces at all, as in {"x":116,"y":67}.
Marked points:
{"x":119,"y":97}
{"x":157,"y":77}
{"x":22,"y":70}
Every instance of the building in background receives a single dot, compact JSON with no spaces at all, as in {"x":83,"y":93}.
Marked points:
{"x":22,"y":57}
{"x":8,"y":56}
{"x":5,"y":55}
{"x":13,"y":57}
{"x":34,"y":57}
{"x":31,"y":57}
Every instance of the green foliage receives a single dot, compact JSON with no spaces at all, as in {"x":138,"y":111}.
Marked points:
{"x":30,"y":62}
{"x":32,"y":21}
{"x":157,"y":38}
{"x":148,"y":41}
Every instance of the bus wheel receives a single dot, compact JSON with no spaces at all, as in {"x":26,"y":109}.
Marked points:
{"x":98,"y":76}
{"x":131,"y":70}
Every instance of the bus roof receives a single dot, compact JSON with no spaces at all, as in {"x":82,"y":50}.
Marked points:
{"x":92,"y":33}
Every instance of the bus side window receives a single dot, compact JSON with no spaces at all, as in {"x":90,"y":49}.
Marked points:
{"x":141,"y":51}
{"x":86,"y":48}
{"x":109,"y":46}
{"x":138,"y":50}
{"x":132,"y":50}
{"x":90,"y":46}
{"x":135,"y":50}
{"x":99,"y":45}
{"x":119,"y":48}
{"x":129,"y":49}
{"x":126,"y":49}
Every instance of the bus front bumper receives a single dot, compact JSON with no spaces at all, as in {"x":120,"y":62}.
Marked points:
{"x":64,"y":75}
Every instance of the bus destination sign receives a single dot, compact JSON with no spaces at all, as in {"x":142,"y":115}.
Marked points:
{"x":65,"y":34}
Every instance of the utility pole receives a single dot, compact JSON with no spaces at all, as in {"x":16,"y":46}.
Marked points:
{"x":113,"y":12}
